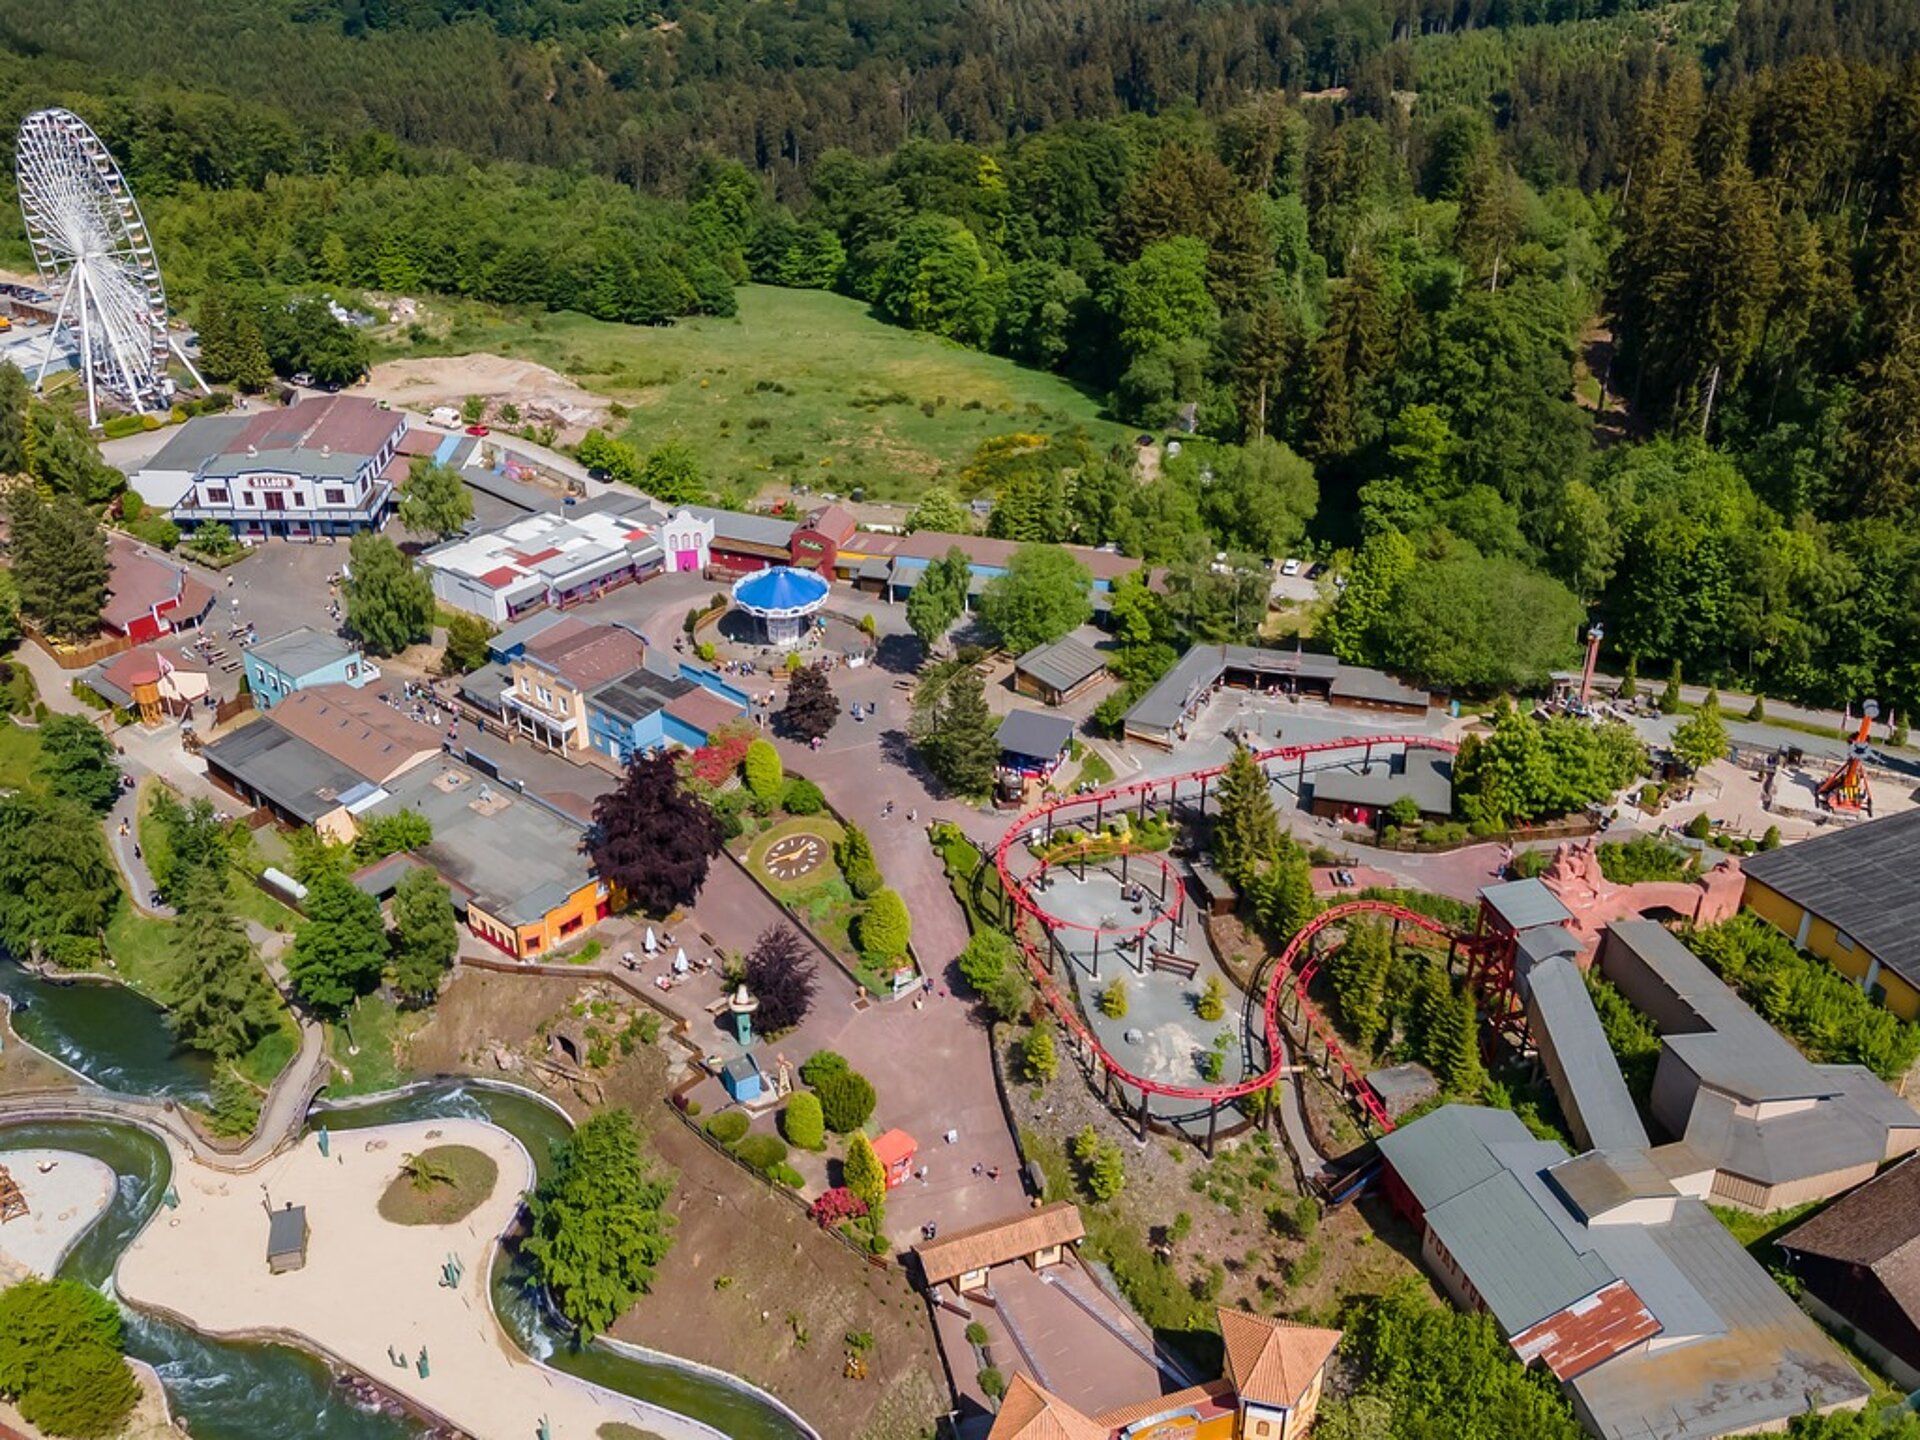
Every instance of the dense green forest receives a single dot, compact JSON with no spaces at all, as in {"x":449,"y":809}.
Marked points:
{"x":1542,"y":309}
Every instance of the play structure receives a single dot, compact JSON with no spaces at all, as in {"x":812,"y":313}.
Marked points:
{"x":1845,"y":790}
{"x":1037,"y":928}
{"x":13,"y":1201}
{"x":784,"y":600}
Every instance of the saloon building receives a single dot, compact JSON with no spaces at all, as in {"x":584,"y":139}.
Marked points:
{"x":321,"y":467}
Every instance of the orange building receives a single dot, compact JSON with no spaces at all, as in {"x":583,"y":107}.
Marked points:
{"x":1274,"y":1375}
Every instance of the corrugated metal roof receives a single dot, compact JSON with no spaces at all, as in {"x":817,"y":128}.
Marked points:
{"x":1525,"y":903}
{"x":1445,"y":1153}
{"x":1864,"y":879}
{"x":1061,"y":665}
{"x":1559,"y":1005}
{"x":1522,"y":1266}
{"x":1426,"y":775}
{"x":1028,"y":732}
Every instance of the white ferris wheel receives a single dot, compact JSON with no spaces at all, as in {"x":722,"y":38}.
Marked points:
{"x":94,"y":254}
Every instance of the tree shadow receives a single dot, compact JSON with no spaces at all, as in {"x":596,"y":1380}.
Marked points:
{"x":899,"y":654}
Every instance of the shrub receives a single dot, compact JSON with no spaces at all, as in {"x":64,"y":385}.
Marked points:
{"x":1212,"y":1003}
{"x":803,"y":1122}
{"x":763,"y":772}
{"x":785,"y":1174}
{"x":846,"y":1101}
{"x":992,"y":1383}
{"x":1038,"y":1056}
{"x":802,"y":797}
{"x":976,"y":1333}
{"x":1113,"y":1000}
{"x":836,"y":1206}
{"x":885,"y":926}
{"x":853,"y":853}
{"x":729,"y":1127}
{"x":762,"y":1152}
{"x":821,"y":1064}
{"x":1700,"y":827}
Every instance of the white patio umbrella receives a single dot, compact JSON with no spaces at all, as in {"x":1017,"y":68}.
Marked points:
{"x":680,"y":960}
{"x":650,"y":942}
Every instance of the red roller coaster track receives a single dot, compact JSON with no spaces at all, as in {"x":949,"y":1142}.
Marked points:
{"x":1289,"y":971}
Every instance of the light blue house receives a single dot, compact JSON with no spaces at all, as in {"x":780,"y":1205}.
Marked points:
{"x":299,"y":660}
{"x":660,"y":708}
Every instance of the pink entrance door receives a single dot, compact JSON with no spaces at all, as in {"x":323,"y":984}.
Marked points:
{"x":685,"y":560}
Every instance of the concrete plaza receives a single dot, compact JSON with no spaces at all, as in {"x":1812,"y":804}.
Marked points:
{"x":65,"y":1194}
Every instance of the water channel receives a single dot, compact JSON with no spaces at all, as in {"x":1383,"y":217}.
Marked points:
{"x":229,"y":1391}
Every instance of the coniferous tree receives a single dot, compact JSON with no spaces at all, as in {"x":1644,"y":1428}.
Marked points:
{"x":955,"y":728}
{"x":865,"y":1176}
{"x":59,"y":557}
{"x":1246,"y":832}
{"x":223,"y":1002}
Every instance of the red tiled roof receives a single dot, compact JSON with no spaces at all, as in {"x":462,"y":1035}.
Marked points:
{"x":1574,"y":1340}
{"x":346,"y":424}
{"x":535,"y":557}
{"x":398,"y":468}
{"x":420,"y":442}
{"x":498,"y":576}
{"x":833,"y":522}
{"x":142,"y":667}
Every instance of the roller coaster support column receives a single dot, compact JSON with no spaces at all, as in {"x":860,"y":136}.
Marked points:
{"x":1096,"y":954}
{"x":1203,"y":797}
{"x":1099,"y":811}
{"x":1144,"y":790}
{"x":1213,"y":1125}
{"x":1146,"y":1098}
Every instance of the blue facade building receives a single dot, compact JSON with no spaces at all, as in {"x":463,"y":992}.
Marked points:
{"x":660,"y":708}
{"x":299,"y":660}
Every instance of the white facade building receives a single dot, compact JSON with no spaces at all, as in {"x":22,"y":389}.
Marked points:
{"x":553,"y":559}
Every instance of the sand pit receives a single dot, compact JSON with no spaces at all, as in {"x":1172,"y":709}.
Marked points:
{"x":544,"y":396}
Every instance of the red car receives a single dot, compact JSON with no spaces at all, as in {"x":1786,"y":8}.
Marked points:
{"x":478,"y":430}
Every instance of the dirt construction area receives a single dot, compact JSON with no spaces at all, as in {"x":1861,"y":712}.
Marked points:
{"x":542,"y":396}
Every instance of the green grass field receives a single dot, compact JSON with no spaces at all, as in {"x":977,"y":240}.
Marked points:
{"x":800,"y":387}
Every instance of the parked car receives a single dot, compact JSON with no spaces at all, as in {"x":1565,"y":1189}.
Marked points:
{"x":478,"y":430}
{"x":1292,"y":567}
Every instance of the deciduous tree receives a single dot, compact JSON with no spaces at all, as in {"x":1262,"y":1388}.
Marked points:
{"x":782,"y":974}
{"x":78,"y":762}
{"x":812,"y":707}
{"x":425,"y":935}
{"x":1042,"y":596}
{"x":389,"y":602}
{"x":340,"y":952}
{"x":652,"y":838}
{"x":434,"y":500}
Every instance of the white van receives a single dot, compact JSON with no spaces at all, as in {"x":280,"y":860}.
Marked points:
{"x":446,"y":417}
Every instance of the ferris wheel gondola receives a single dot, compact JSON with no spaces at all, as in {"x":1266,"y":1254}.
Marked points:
{"x":94,"y":254}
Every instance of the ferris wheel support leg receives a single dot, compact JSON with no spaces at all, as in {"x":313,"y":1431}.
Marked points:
{"x":53,"y":334}
{"x":86,"y":349}
{"x":180,"y":354}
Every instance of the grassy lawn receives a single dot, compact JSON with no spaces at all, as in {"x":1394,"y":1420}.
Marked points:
{"x":366,"y":1048}
{"x":262,"y":1064}
{"x":800,"y":386}
{"x":794,"y":891}
{"x":446,"y":1183}
{"x":1094,"y":769}
{"x":142,"y":950}
{"x":19,"y":755}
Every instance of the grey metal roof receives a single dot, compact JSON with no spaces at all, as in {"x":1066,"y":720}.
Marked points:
{"x":1426,"y":775}
{"x":287,"y":1230}
{"x":1731,"y":1048}
{"x":1602,"y":1180}
{"x":1161,"y":708}
{"x":521,"y":631}
{"x":737,"y":525}
{"x":521,"y":494}
{"x":1521,"y":1264}
{"x":1028,"y":732}
{"x":483,"y":687}
{"x":1864,"y":879}
{"x":301,"y":651}
{"x":301,"y":779}
{"x":1525,"y":903}
{"x":1444,"y":1153}
{"x":1358,"y":682}
{"x":314,"y":463}
{"x":198,"y":441}
{"x":1061,"y":665}
{"x":1559,"y":1004}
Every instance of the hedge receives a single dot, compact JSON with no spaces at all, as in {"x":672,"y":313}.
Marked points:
{"x":729,"y":1127}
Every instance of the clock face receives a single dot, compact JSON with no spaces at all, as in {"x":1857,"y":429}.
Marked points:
{"x":794,"y":856}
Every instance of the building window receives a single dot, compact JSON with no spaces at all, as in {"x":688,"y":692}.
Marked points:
{"x":216,"y":495}
{"x":1843,"y":940}
{"x":299,"y":501}
{"x":336,"y":497}
{"x":546,"y":696}
{"x":353,"y":669}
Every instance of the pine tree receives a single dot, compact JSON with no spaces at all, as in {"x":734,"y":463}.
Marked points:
{"x":763,"y":772}
{"x":961,"y":747}
{"x":1452,"y":1038}
{"x":858,"y":867}
{"x":250,"y":367}
{"x":1670,"y":701}
{"x":224,"y":1003}
{"x":59,"y":556}
{"x":1630,"y":680}
{"x":864,"y":1175}
{"x":1358,"y":971}
{"x":1246,"y":833}
{"x":214,"y":324}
